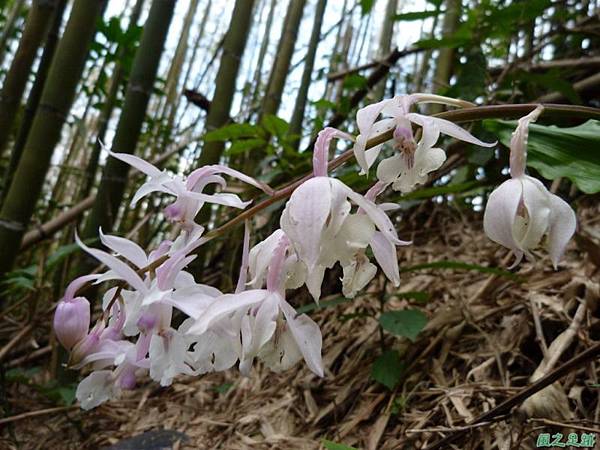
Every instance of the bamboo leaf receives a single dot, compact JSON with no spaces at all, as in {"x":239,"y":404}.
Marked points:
{"x":231,"y":132}
{"x":459,"y":265}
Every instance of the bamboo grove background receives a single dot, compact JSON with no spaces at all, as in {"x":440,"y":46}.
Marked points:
{"x":247,"y":82}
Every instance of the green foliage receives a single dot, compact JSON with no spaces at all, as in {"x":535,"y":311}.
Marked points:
{"x":492,"y":22}
{"x":355,"y":81}
{"x":418,"y":296}
{"x":330,"y":445}
{"x":21,"y":281}
{"x":471,"y":76}
{"x":387,"y":369}
{"x":61,"y":394}
{"x":275,"y":125}
{"x":272,"y":137}
{"x":560,"y":152}
{"x":233,"y":131}
{"x":366,"y":6}
{"x":406,"y":323}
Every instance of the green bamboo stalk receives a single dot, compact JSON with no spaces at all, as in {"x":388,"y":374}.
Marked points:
{"x":57,"y":98}
{"x":264,"y":45}
{"x":9,"y":27}
{"x":37,"y":25}
{"x":385,"y":42}
{"x":233,"y":49}
{"x":108,"y":107}
{"x":139,"y":89}
{"x":283,"y":58}
{"x":445,"y":60}
{"x":34,"y":96}
{"x":309,"y":63}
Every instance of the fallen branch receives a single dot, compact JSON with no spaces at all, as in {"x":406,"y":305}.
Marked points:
{"x":46,"y":230}
{"x":458,"y":115}
{"x":506,"y":406}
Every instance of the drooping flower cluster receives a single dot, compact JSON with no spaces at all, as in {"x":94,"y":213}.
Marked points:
{"x":324,"y":223}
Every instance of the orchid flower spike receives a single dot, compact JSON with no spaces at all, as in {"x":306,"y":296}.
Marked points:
{"x":413,"y":161}
{"x":521,"y":211}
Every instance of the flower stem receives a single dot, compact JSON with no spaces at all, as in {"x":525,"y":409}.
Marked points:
{"x":458,"y":116}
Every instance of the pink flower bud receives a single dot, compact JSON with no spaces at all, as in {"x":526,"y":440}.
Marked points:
{"x":72,"y":321}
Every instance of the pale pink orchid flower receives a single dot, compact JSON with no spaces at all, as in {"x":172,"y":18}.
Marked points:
{"x":413,"y":161}
{"x":521,"y":211}
{"x":189,"y":191}
{"x":318,"y":221}
{"x":267,"y":325}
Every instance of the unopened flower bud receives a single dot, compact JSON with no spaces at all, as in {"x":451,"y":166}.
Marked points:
{"x":72,"y":321}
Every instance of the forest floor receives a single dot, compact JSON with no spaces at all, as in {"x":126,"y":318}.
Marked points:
{"x":485,"y":339}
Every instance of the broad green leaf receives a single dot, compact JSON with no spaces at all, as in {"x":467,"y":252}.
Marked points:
{"x":418,"y":15}
{"x":572,"y":152}
{"x":459,"y":265}
{"x":232,"y":131}
{"x":387,"y":369}
{"x":406,"y":323}
{"x":330,"y":445}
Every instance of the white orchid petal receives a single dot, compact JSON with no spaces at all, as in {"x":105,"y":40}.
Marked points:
{"x":314,"y":280}
{"x":386,"y":256}
{"x":191,"y":301}
{"x":449,"y":128}
{"x":305,"y":216}
{"x":562,"y":227}
{"x":307,"y":335}
{"x":379,"y":218}
{"x":126,"y":248}
{"x":224,"y":199}
{"x":116,"y":265}
{"x":390,"y":168}
{"x":500,"y":213}
{"x":357,"y":275}
{"x":138,"y":163}
{"x":224,"y":305}
{"x":537,"y":202}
